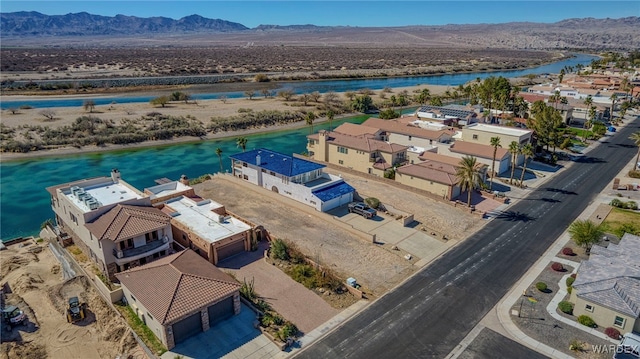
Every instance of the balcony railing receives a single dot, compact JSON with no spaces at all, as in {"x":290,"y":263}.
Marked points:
{"x":132,"y":252}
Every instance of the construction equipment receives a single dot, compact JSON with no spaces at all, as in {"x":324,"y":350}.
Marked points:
{"x":75,"y":310}
{"x":13,"y":316}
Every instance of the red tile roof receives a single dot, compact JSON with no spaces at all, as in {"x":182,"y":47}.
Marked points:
{"x":478,"y":150}
{"x":356,"y":130}
{"x":404,"y":128}
{"x":531,"y":98}
{"x":363,"y":143}
{"x":177,"y":285}
{"x":431,"y":170}
{"x":432,"y":156}
{"x":124,"y":221}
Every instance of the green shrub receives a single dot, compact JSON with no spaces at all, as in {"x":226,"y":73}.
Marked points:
{"x":541,"y":286}
{"x":569,"y":290}
{"x":626,"y":228}
{"x":565,"y":307}
{"x":616,"y":203}
{"x":372,"y":202}
{"x":247,"y":290}
{"x":305,"y":275}
{"x":634,"y":174}
{"x":279,"y":250}
{"x":288,"y":330}
{"x":586,"y":321}
{"x":631,"y":205}
{"x":566,"y":143}
{"x":570,"y":281}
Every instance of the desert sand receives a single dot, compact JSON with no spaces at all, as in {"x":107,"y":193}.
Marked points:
{"x":202,"y":110}
{"x":33,"y":275}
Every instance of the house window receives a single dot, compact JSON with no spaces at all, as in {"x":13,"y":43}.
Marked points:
{"x":619,"y":322}
{"x":313,"y":202}
{"x":343,"y":150}
{"x":588,"y":308}
{"x":264,"y":171}
{"x":340,"y":162}
{"x":272,"y":173}
{"x":475,"y":137}
{"x":132,"y":297}
{"x":245,"y":177}
{"x":244,"y":164}
{"x":409,"y":138}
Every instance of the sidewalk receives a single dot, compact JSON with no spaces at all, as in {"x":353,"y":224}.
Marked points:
{"x":503,"y":308}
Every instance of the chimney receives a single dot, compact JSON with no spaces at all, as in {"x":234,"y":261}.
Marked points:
{"x":258,"y":160}
{"x":115,"y":175}
{"x":184,"y":180}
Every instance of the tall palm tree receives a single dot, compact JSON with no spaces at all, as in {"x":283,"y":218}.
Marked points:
{"x":219,"y":153}
{"x":330,"y":116}
{"x":468,"y":174}
{"x":614,"y":98}
{"x":527,"y":151}
{"x":589,"y":102}
{"x":495,"y":143}
{"x":514,"y":149}
{"x":311,"y":116}
{"x":242,"y":143}
{"x":635,"y":137}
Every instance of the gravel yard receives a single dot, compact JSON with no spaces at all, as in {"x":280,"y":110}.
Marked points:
{"x":438,"y":217}
{"x":377,"y":269}
{"x":316,"y":234}
{"x":538,"y":324}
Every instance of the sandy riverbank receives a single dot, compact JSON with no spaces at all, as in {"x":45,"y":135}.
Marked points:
{"x":203,"y":110}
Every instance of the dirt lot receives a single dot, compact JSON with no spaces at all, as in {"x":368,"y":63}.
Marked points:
{"x":318,"y":236}
{"x":33,"y":275}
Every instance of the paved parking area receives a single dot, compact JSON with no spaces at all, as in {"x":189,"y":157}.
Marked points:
{"x":287,"y":297}
{"x":234,"y":338}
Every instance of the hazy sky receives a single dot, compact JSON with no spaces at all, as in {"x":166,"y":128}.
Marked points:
{"x":347,"y":13}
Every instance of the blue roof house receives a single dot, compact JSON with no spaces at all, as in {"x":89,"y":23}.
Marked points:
{"x":296,"y":178}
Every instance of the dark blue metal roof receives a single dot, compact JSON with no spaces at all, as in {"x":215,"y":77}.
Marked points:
{"x":277,"y":162}
{"x":333,"y":191}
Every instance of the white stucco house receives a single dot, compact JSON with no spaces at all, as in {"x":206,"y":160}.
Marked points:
{"x":296,"y":178}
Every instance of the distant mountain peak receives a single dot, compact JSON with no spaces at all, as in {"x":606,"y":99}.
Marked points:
{"x":32,"y":23}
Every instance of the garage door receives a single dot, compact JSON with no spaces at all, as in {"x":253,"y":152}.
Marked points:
{"x":220,"y":311}
{"x":187,"y":327}
{"x":230,"y":249}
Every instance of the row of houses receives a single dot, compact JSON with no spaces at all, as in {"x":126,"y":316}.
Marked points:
{"x":423,"y":154}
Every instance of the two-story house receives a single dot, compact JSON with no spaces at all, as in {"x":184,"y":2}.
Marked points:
{"x":363,"y":153}
{"x":296,"y":178}
{"x":112,"y":222}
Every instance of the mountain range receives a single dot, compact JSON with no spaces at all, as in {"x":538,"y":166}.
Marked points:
{"x":77,"y":29}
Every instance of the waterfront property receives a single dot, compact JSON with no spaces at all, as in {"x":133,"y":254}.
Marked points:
{"x":448,"y":115}
{"x":607,"y":285}
{"x":112,"y":222}
{"x":180,"y":295}
{"x":205,"y":226}
{"x":292,"y":177}
{"x":363,"y":153}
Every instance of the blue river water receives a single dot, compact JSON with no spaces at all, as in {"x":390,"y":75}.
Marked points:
{"x":25,"y":204}
{"x":323,"y":86}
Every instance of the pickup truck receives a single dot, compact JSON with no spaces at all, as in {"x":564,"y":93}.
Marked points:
{"x":362,"y":209}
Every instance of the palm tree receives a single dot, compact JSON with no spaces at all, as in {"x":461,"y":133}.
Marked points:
{"x":614,"y":98}
{"x":589,"y":102}
{"x":242,"y":143}
{"x":527,"y":151}
{"x":468,"y":174}
{"x":635,"y":137}
{"x":330,"y":116}
{"x":495,"y":143}
{"x":514,"y":149}
{"x":219,"y":153}
{"x":585,"y":233}
{"x":310,"y":118}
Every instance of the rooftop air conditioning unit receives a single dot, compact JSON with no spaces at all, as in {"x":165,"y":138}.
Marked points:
{"x":82,"y":196}
{"x":221,"y":219}
{"x":92,"y":204}
{"x":75,"y":189}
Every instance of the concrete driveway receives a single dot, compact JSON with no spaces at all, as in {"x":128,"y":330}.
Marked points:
{"x":234,"y":338}
{"x":419,"y":244}
{"x":289,"y":298}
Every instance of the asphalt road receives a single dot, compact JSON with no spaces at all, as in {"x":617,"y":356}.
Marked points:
{"x":489,"y":344}
{"x":433,"y":311}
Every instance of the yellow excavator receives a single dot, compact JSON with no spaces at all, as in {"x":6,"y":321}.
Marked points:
{"x":75,"y":310}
